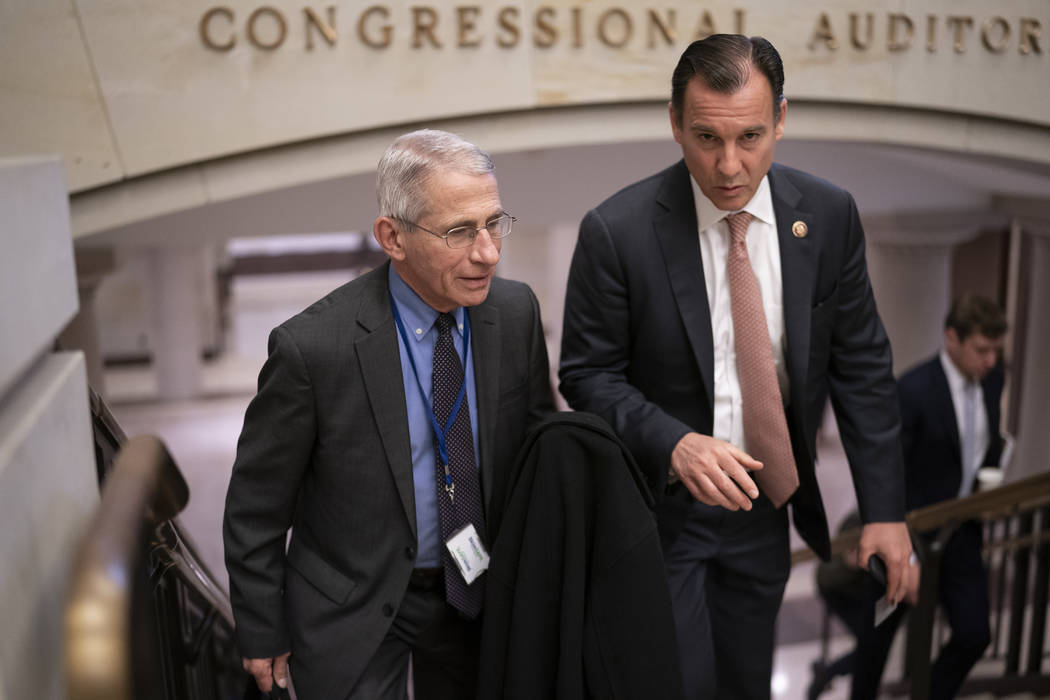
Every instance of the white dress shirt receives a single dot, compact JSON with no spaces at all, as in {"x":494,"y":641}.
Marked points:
{"x":764,"y":250}
{"x":959,"y":385}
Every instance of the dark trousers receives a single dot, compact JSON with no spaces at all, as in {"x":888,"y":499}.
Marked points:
{"x":727,"y":571}
{"x":963,"y":595}
{"x":443,"y":646}
{"x":848,"y":607}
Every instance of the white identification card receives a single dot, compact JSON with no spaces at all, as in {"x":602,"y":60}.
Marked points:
{"x":469,"y":552}
{"x":883,"y":609}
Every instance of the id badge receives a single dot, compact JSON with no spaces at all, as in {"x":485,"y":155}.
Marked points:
{"x":468,"y":552}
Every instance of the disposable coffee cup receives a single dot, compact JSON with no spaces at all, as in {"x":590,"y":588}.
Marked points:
{"x":989,"y":478}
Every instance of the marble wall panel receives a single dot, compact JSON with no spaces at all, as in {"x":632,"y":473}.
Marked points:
{"x":48,"y":492}
{"x":49,"y":99}
{"x":199,"y":80}
{"x":37,"y":277}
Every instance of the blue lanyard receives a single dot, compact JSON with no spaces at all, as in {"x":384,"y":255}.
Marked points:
{"x":439,"y":432}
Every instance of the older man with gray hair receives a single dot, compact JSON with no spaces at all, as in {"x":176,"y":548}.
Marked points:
{"x":387,"y":419}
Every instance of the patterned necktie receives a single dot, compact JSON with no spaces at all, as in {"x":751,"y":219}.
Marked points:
{"x":462,"y":505}
{"x":765,"y":425}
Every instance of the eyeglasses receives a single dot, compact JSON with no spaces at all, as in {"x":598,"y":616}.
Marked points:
{"x":463,"y":236}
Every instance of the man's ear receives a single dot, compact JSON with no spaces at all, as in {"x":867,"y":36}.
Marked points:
{"x":389,"y":237}
{"x":778,"y":128}
{"x":951,"y":338}
{"x":676,"y":129}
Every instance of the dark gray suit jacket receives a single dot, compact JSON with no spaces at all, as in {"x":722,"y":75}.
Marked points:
{"x":637,"y":346}
{"x":325,"y":450}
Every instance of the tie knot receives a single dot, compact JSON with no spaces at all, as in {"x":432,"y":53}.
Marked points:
{"x":445,"y":323}
{"x":738,"y":224}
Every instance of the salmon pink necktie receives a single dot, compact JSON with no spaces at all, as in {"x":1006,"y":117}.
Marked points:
{"x":765,"y":425}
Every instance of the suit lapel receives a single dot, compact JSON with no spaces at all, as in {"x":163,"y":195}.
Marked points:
{"x":942,"y":395}
{"x":677,"y":235}
{"x":485,"y":344}
{"x":797,"y":268}
{"x":380,"y":361}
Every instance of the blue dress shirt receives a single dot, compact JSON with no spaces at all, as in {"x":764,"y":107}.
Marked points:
{"x":418,"y":318}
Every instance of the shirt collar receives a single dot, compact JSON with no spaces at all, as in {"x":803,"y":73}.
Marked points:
{"x":707,"y":214}
{"x":417,"y":316}
{"x":957,"y":381}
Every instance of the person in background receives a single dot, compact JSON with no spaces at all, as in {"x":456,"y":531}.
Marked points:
{"x":950,"y":428}
{"x":386,"y":423}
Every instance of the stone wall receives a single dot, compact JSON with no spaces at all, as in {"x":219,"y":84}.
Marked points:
{"x":48,"y":486}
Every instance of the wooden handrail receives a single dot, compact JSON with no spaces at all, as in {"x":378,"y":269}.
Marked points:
{"x":143,"y":490}
{"x":1017,"y":496}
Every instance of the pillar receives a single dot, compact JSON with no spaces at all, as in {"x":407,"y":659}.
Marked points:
{"x":1029,"y":373}
{"x":912,"y":289}
{"x":177,"y":337}
{"x":909,"y":262}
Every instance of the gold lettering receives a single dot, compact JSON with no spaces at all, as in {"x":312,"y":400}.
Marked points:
{"x":546,"y":33}
{"x":282,"y":28}
{"x":960,"y":24}
{"x":1030,"y":30}
{"x":1004,"y":34}
{"x":706,"y":26}
{"x":424,"y":19}
{"x":739,"y":16}
{"x":327,"y":29}
{"x":385,"y":29}
{"x":667,"y":30}
{"x":206,"y":24}
{"x":854,"y":35}
{"x":577,"y":28}
{"x":466,"y":16}
{"x":899,"y":43}
{"x":626,"y":28}
{"x":822,"y":33}
{"x":931,"y":33}
{"x":508,"y":21}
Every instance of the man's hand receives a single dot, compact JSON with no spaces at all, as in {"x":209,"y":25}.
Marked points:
{"x":913,"y":578}
{"x":714,"y":471}
{"x":891,"y":542}
{"x":267,"y":671}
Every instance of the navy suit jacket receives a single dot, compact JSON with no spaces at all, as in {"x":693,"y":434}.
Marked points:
{"x":637,"y":346}
{"x":930,"y":435}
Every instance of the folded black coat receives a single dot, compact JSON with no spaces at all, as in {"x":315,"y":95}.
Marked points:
{"x":577,"y":602}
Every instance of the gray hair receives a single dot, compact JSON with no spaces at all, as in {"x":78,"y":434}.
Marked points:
{"x":412,"y":159}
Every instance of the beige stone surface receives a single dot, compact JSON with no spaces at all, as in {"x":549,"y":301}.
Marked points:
{"x":167,"y":99}
{"x":174,"y":101}
{"x":48,"y":492}
{"x":355,"y":154}
{"x":49,"y":102}
{"x":37,"y":276}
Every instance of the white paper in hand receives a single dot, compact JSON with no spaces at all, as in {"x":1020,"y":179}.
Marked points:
{"x":883,"y":609}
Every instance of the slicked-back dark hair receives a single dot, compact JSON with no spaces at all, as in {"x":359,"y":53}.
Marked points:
{"x":972,"y":313}
{"x":724,"y":62}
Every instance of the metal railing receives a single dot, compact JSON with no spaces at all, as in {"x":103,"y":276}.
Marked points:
{"x":1016,"y":522}
{"x":145,"y":618}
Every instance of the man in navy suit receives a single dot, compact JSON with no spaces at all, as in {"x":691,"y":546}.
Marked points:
{"x":650,"y":344}
{"x":950,"y":429}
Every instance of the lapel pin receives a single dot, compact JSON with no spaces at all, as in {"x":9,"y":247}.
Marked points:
{"x":800,"y":229}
